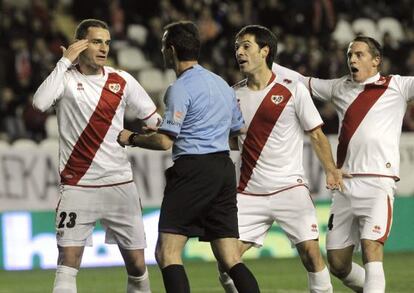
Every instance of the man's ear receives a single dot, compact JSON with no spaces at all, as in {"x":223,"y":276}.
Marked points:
{"x":377,"y":61}
{"x":173,"y":52}
{"x":265,"y":51}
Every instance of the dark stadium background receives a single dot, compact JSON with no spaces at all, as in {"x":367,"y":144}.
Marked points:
{"x":313,"y":37}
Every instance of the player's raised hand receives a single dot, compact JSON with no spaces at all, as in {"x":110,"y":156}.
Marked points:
{"x":73,"y":51}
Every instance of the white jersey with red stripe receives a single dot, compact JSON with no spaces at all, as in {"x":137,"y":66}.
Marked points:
{"x":90,"y":111}
{"x":370,"y":116}
{"x":272,"y":149}
{"x":287,"y":73}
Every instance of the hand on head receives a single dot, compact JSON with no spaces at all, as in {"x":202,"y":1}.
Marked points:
{"x":73,"y":51}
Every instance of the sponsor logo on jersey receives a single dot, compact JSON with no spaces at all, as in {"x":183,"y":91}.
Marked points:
{"x":80,"y":86}
{"x":288,"y":81}
{"x":178,"y":116}
{"x":172,"y":122}
{"x":114,"y":87}
{"x":276,"y":99}
{"x":314,"y":228}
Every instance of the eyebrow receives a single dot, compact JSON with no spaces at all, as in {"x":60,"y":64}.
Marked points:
{"x":108,"y":41}
{"x":242,"y":42}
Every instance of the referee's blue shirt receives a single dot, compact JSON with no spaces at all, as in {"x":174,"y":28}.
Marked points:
{"x":201,"y":111}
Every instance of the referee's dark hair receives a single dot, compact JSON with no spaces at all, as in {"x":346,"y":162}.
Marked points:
{"x":185,"y":38}
{"x":263,"y":37}
{"x":84,"y":25}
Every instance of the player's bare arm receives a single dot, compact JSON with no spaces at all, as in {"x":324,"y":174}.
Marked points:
{"x":233,"y":143}
{"x":153,"y":141}
{"x":322,"y":148}
{"x":73,"y":51}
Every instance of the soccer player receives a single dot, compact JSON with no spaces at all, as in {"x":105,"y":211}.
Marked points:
{"x":370,"y":108}
{"x":272,"y":186}
{"x":200,"y":195}
{"x":96,"y":177}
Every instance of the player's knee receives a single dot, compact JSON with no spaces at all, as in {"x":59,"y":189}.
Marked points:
{"x":70,"y":257}
{"x":228,"y":261}
{"x":136,"y":267}
{"x":311,"y":256}
{"x":136,"y":270}
{"x":165,"y":257}
{"x":158,"y":256}
{"x":339,"y":269}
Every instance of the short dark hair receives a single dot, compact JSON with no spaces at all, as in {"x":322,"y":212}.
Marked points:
{"x":84,"y":25}
{"x":374,"y":46}
{"x":185,"y":38}
{"x":263,"y":37}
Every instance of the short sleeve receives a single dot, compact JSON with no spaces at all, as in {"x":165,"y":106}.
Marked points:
{"x":406,"y":85}
{"x":177,"y":102}
{"x":306,"y":111}
{"x":237,"y":120}
{"x":138,"y":99}
{"x":321,"y":89}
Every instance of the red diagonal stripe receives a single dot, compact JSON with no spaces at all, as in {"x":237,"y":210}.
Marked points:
{"x":259,"y":130}
{"x":356,"y":113}
{"x":92,"y":136}
{"x":389,"y":222}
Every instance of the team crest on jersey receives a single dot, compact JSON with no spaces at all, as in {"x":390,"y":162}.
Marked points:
{"x":114,"y":87}
{"x":276,"y":99}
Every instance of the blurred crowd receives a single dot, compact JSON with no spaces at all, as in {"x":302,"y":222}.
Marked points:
{"x":312,"y":40}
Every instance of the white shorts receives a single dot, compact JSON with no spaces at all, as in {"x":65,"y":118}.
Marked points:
{"x":292,"y":209}
{"x":118,"y":208}
{"x":362,"y":211}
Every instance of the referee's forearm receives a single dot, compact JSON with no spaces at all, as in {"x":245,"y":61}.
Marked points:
{"x":157,"y":141}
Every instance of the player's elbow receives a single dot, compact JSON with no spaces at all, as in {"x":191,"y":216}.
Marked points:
{"x":39,"y":104}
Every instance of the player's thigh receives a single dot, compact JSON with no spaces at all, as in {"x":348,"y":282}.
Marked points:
{"x":294,"y":211}
{"x":122,"y":217}
{"x":374,"y":207}
{"x":254,"y":218}
{"x":76,"y":216}
{"x":343,"y":230}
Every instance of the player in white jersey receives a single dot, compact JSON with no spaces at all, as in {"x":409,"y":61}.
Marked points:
{"x":96,"y":177}
{"x":272,"y":185}
{"x":370,"y":108}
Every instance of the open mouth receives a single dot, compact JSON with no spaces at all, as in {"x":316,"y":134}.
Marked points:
{"x":241,"y":62}
{"x":354,"y":70}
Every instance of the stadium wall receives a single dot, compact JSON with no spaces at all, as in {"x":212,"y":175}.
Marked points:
{"x":29,"y":193}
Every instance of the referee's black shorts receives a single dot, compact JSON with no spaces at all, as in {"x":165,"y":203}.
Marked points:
{"x":200,"y":198}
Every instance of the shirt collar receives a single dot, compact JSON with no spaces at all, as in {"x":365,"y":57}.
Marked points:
{"x":371,"y":79}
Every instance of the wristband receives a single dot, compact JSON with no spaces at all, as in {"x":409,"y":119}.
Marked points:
{"x":131,"y":138}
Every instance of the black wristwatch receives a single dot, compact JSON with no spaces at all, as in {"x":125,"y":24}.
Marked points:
{"x":131,"y":138}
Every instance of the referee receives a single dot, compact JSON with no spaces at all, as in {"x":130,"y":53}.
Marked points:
{"x":200,"y":195}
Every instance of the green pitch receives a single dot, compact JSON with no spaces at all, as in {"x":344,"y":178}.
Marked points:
{"x":274,"y":275}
